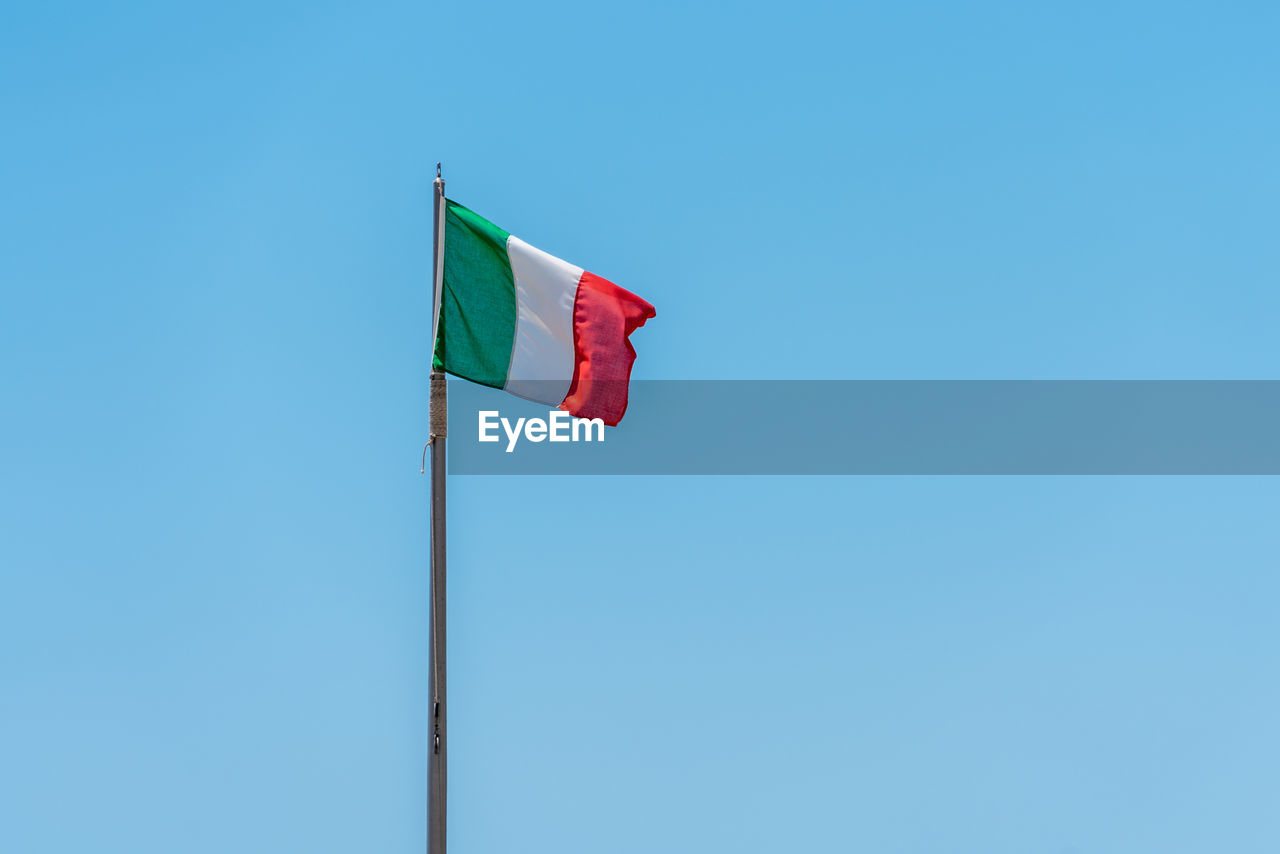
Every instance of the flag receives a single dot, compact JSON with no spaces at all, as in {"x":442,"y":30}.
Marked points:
{"x":516,"y":318}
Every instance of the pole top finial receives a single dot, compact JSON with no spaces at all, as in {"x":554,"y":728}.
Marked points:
{"x":437,"y":170}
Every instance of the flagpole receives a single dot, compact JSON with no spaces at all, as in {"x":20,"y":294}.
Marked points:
{"x":437,"y":755}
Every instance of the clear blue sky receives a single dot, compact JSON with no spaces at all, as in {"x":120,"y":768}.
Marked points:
{"x":215,"y":249}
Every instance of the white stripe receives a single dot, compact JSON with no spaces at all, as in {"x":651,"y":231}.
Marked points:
{"x":542,"y":358}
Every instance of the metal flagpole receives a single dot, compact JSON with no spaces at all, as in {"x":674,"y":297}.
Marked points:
{"x":437,"y":757}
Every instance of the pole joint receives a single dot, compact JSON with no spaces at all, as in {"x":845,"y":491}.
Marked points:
{"x":438,"y":410}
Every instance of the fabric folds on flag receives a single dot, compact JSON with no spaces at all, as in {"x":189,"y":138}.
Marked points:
{"x":516,"y":318}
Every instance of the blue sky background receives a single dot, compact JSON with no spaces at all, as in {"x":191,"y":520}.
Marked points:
{"x":215,"y":251}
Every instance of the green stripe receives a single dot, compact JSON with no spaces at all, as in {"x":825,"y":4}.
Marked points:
{"x":478,"y":303}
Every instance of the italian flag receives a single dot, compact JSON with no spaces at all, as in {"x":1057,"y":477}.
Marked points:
{"x":515,"y":318}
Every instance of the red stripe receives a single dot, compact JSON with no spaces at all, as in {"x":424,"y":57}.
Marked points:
{"x":604,"y":315}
